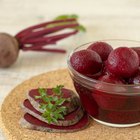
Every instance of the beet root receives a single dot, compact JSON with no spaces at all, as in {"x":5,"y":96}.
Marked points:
{"x":32,"y":123}
{"x":86,"y":62}
{"x":102,"y":48}
{"x":123,"y":62}
{"x":9,"y":50}
{"x":137,"y":50}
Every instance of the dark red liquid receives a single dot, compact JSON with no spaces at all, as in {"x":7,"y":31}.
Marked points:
{"x":107,"y":107}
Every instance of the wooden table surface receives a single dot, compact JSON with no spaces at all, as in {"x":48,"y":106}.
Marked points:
{"x":104,"y":19}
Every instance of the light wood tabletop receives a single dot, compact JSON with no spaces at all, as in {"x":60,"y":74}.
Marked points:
{"x":104,"y":19}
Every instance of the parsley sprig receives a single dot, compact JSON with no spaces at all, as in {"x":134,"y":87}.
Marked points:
{"x":53,"y":104}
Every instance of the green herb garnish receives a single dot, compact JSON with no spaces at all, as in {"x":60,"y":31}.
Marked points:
{"x":53,"y":104}
{"x":58,"y":90}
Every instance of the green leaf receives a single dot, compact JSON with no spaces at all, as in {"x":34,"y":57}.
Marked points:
{"x":49,"y":119}
{"x":55,"y":98}
{"x":42,"y":92}
{"x":80,"y":28}
{"x":43,"y":106}
{"x":57,"y":89}
{"x":46,"y":114}
{"x":54,"y":120}
{"x":60,"y":101}
{"x":60,"y":116}
{"x":60,"y":86}
{"x":46,"y":99}
{"x":65,"y":17}
{"x":38,"y":97}
{"x":50,"y":98}
{"x":62,"y":17}
{"x":61,"y":109}
{"x":50,"y":106}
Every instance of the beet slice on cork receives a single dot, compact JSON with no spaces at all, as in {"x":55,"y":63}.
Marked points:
{"x":70,"y":119}
{"x":71,"y":105}
{"x":33,"y":123}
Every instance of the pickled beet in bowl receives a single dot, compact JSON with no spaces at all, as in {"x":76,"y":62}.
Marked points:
{"x":116,"y":105}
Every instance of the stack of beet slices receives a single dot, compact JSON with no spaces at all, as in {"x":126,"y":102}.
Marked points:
{"x":75,"y":119}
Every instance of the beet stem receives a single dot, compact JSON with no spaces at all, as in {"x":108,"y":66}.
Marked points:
{"x":34,"y":38}
{"x":47,"y":50}
{"x":29,"y":29}
{"x":50,"y":38}
{"x":46,"y":31}
{"x":35,"y":46}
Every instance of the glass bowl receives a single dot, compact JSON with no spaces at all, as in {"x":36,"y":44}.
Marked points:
{"x":109,"y":104}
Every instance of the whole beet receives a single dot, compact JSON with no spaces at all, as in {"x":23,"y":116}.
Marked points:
{"x":9,"y":50}
{"x":137,"y":50}
{"x":135,"y":79}
{"x":86,"y":62}
{"x":110,"y":79}
{"x":123,"y":62}
{"x":102,"y":48}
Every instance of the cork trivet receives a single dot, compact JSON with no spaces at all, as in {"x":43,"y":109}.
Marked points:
{"x":11,"y":113}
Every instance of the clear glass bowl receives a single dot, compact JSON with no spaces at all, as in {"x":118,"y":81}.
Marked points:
{"x":110,"y":104}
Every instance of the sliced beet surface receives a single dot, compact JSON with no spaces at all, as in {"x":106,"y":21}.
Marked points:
{"x":31,"y":122}
{"x":71,"y":106}
{"x":70,"y":119}
{"x":28,"y":105}
{"x":66,"y":93}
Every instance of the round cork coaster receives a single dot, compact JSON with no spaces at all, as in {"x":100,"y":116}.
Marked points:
{"x":11,"y":114}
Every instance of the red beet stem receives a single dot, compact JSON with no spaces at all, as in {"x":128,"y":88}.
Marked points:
{"x":62,"y":36}
{"x":46,"y":31}
{"x":47,"y":50}
{"x":35,"y":45}
{"x":38,"y":46}
{"x":34,"y":38}
{"x":38,"y":40}
{"x":27,"y":30}
{"x":50,"y":38}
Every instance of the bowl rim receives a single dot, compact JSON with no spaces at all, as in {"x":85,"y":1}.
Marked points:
{"x":91,"y":79}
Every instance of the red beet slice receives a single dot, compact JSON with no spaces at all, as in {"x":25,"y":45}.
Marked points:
{"x":71,"y":106}
{"x":31,"y":122}
{"x":87,"y":62}
{"x":123,"y":62}
{"x":70,"y":119}
{"x":102,"y":48}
